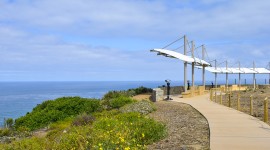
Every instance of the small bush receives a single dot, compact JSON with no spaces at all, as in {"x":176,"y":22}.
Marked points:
{"x":142,"y":90}
{"x":5,"y":132}
{"x":120,"y":101}
{"x":143,"y":107}
{"x":83,"y":119}
{"x":116,"y":101}
{"x":9,"y":123}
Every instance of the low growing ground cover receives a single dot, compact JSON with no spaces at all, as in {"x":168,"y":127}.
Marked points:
{"x":79,"y":123}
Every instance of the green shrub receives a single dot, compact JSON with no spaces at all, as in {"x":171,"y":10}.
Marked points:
{"x":142,"y":90}
{"x":127,"y":93}
{"x":9,"y":122}
{"x":144,"y":107}
{"x":5,"y":132}
{"x":59,"y":109}
{"x":120,"y":101}
{"x":115,"y":101}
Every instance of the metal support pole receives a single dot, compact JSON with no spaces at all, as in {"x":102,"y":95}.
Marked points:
{"x":215,"y":94}
{"x":239,"y":82}
{"x":227,"y":80}
{"x":192,"y":50}
{"x":203,"y":70}
{"x":193,"y":75}
{"x":251,"y":105}
{"x":215,"y":73}
{"x":266,"y":110}
{"x":185,"y":64}
{"x":215,"y":81}
{"x":254,"y":80}
{"x":269,"y":73}
{"x":230,"y":99}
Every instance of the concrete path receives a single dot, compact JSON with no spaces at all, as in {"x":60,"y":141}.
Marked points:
{"x":229,"y":128}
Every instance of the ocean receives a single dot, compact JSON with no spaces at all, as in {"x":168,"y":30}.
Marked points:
{"x":18,"y":98}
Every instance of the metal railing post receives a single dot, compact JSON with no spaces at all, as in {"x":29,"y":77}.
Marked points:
{"x":266,"y":110}
{"x":211,"y":94}
{"x":215,"y":94}
{"x":238,"y":101}
{"x":220,"y":97}
{"x":230,"y":100}
{"x":251,"y":105}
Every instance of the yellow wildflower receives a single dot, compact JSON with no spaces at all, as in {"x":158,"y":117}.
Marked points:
{"x":122,"y":139}
{"x":143,"y":135}
{"x":127,"y":148}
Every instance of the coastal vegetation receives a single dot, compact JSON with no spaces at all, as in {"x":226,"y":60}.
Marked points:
{"x":117,"y":121}
{"x":55,"y":110}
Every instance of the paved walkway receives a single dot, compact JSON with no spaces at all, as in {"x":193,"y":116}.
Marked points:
{"x":229,"y":128}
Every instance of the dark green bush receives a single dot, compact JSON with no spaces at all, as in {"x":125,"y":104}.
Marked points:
{"x":59,"y":109}
{"x":142,"y":90}
{"x":127,"y":93}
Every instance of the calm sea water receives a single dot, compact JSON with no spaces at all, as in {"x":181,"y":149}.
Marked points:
{"x":18,"y":98}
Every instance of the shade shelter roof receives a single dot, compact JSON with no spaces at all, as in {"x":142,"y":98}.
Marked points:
{"x":222,"y":70}
{"x":177,"y":55}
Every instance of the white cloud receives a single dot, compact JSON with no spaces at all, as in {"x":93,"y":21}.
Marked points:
{"x":33,"y":34}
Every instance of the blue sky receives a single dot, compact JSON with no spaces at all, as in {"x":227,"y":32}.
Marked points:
{"x":92,"y":40}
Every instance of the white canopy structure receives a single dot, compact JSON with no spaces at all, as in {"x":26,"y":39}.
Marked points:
{"x":185,"y":58}
{"x":194,"y":61}
{"x":202,"y":64}
{"x":223,"y":70}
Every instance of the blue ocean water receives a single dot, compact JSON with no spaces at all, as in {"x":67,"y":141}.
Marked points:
{"x":18,"y":98}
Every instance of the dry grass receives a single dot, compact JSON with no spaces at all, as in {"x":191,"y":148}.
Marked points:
{"x":142,"y":97}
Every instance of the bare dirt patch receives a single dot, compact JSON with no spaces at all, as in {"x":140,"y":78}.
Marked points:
{"x":187,"y":128}
{"x":142,"y":97}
